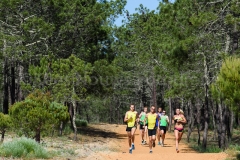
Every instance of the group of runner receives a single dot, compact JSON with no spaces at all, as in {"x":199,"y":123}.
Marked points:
{"x":154,"y":125}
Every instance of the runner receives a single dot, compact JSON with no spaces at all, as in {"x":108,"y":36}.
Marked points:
{"x":143,"y":125}
{"x":179,"y":121}
{"x":151,"y":118}
{"x":157,"y":125}
{"x":163,"y":123}
{"x":131,"y":119}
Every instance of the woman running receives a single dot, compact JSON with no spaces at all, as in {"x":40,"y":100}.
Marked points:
{"x":163,"y":123}
{"x":179,"y":121}
{"x":143,"y":125}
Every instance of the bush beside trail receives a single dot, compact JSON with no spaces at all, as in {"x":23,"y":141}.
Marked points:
{"x":23,"y":148}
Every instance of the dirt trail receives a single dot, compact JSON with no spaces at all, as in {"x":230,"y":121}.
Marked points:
{"x":142,"y":151}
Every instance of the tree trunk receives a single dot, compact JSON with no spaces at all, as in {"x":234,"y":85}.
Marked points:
{"x":237,"y":119}
{"x":70,"y":110}
{"x":5,"y":86}
{"x":170,"y":115}
{"x":230,"y":124}
{"x":38,"y":136}
{"x":198,"y":119}
{"x":20,"y":79}
{"x":154,"y":94}
{"x":213,"y":120}
{"x":221,"y":126}
{"x":206,"y":116}
{"x":61,"y":128}
{"x":235,"y":36}
{"x":12,"y":87}
{"x":74,"y":116}
{"x":190,"y":121}
{"x":3,"y":134}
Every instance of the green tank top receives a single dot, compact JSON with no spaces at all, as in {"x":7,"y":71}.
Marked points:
{"x":163,"y":121}
{"x":142,"y":118}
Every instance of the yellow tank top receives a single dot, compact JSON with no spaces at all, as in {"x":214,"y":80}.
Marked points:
{"x":151,"y":121}
{"x":131,"y":122}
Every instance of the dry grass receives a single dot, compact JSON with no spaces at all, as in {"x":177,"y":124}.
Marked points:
{"x":91,"y":140}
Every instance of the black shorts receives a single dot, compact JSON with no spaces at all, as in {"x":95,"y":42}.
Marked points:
{"x":142,"y":126}
{"x":179,"y":130}
{"x":129,"y":129}
{"x":164,"y":128}
{"x":151,"y":132}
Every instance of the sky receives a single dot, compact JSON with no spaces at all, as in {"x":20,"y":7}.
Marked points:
{"x":132,"y":4}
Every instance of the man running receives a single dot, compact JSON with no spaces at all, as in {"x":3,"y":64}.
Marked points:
{"x":157,"y":125}
{"x":151,"y":117}
{"x":163,"y":123}
{"x":131,"y":119}
{"x":179,"y":120}
{"x":143,"y":125}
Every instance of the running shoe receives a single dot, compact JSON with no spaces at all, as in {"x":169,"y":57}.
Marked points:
{"x":142,"y":142}
{"x":130,"y":151}
{"x":133,"y":147}
{"x":177,"y":150}
{"x":159,"y":143}
{"x":145,"y":142}
{"x":162,"y":145}
{"x":154,"y":144}
{"x":150,"y":152}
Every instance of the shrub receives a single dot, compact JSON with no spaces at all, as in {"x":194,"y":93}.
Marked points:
{"x":209,"y":149}
{"x":5,"y":123}
{"x":37,"y":114}
{"x":23,"y":148}
{"x":81,"y":123}
{"x":67,"y":129}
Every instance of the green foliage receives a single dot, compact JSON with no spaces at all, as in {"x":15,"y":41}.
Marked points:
{"x":5,"y":122}
{"x":209,"y":149}
{"x":235,"y":147}
{"x":72,"y":76}
{"x":81,"y":123}
{"x":37,"y":113}
{"x":227,"y":84}
{"x":67,"y":129}
{"x":23,"y":148}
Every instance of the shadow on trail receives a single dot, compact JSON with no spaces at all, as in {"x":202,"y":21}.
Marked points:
{"x":187,"y":150}
{"x":238,"y":156}
{"x":95,"y":132}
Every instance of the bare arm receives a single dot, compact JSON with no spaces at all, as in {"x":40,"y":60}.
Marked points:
{"x":137,"y":117}
{"x":146,"y":118}
{"x":126,"y":117}
{"x":184,"y":121}
{"x":173,"y":120}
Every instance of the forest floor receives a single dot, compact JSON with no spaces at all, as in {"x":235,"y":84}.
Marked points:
{"x":109,"y":142}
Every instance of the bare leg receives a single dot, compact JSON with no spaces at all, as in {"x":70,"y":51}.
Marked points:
{"x":145,"y":133}
{"x":163,"y":136}
{"x":142,"y":134}
{"x":133,"y":134}
{"x":153,"y":138}
{"x":129,"y":139}
{"x":150,"y":143}
{"x":158,"y":135}
{"x":180,"y":136}
{"x":176,"y":138}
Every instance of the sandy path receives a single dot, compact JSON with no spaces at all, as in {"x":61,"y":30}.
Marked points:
{"x":142,"y":151}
